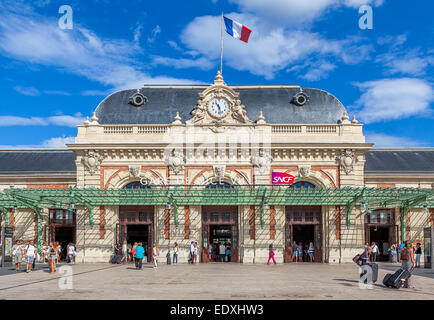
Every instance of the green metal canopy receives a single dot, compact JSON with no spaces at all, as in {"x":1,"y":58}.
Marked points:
{"x":257,"y":195}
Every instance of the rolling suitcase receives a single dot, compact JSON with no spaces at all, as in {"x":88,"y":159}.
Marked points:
{"x":395,"y":280}
{"x":374,"y":270}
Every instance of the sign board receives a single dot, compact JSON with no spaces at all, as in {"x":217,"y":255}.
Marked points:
{"x":282,"y":178}
{"x":6,"y":246}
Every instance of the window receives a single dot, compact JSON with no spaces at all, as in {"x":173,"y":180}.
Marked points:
{"x":303,"y":184}
{"x":222,"y":185}
{"x":288,"y":216}
{"x":122,"y":217}
{"x":373,"y":217}
{"x":131,"y":217}
{"x":298,"y":216}
{"x":226,"y":217}
{"x":214,"y":217}
{"x":308,"y":217}
{"x":60,"y":216}
{"x":137,"y":185}
{"x":142,"y":216}
{"x":383,"y":216}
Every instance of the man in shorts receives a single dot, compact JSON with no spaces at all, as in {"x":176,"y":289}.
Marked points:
{"x":295,"y":252}
{"x":30,"y":254}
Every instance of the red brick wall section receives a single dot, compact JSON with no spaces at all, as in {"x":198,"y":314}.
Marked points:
{"x":166,"y":224}
{"x":47,"y":186}
{"x":337,"y":213}
{"x":102,"y":222}
{"x":431,"y":217}
{"x":384,"y":186}
{"x":272,"y":223}
{"x":252,"y":230}
{"x":187,"y":222}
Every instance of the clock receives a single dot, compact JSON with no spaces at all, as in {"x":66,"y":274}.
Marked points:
{"x":218,"y":107}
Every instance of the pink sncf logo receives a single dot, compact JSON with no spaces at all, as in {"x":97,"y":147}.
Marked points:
{"x":282,"y":178}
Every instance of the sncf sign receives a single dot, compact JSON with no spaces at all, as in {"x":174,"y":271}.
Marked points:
{"x":282,"y":178}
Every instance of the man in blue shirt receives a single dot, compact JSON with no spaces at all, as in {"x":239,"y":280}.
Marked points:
{"x":139,"y":255}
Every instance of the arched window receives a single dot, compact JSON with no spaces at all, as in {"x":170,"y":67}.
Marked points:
{"x":136,"y":185}
{"x":303,"y":184}
{"x":219,"y":185}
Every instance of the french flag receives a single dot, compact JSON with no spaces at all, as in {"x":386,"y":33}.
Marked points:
{"x":237,"y":30}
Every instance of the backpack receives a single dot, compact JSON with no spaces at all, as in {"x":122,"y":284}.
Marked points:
{"x":405,"y":254}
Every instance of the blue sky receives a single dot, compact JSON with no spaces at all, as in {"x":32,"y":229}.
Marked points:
{"x":51,"y":79}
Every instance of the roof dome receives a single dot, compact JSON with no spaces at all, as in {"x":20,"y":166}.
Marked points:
{"x":279,"y":104}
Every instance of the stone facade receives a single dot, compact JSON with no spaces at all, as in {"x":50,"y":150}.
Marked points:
{"x":247,"y":152}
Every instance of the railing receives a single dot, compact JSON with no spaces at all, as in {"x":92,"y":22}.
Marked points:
{"x":304,"y":129}
{"x":123,"y":130}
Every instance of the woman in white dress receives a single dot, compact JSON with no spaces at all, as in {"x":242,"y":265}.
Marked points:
{"x":155,"y":255}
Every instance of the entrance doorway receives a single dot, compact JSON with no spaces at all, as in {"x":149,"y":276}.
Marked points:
{"x":380,"y":228}
{"x":62,"y":229}
{"x":136,"y":224}
{"x":303,"y":225}
{"x":219,"y":227}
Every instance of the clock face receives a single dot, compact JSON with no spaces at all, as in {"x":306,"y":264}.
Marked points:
{"x":218,"y":107}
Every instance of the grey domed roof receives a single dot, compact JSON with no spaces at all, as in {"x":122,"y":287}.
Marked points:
{"x":274,"y":101}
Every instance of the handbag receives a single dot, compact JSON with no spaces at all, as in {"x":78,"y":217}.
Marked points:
{"x":356,"y":258}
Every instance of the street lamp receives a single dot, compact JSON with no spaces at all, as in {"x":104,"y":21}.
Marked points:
{"x":266,"y":206}
{"x":168,"y":206}
{"x":364,"y":207}
{"x":72,"y":206}
{"x":425,"y":208}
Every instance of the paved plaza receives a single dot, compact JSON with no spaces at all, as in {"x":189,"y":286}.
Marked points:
{"x":210,"y":281}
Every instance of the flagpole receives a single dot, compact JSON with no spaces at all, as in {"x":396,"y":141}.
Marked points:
{"x":221,"y":45}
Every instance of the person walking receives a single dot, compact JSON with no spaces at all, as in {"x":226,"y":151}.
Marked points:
{"x":133,"y":252}
{"x":311,"y":252}
{"x":155,"y":255}
{"x":195,"y":252}
{"x":30,"y":253}
{"x":17,"y":255}
{"x":140,"y":254}
{"x":51,"y":257}
{"x":294,"y":252}
{"x":418,"y":253}
{"x":394,"y":253}
{"x":211,"y":252}
{"x":70,"y":251}
{"x":175,"y":253}
{"x":300,"y":251}
{"x":374,"y":248}
{"x":407,"y":258}
{"x":222,"y":252}
{"x":271,"y":254}
{"x":228,"y":252}
{"x":191,"y":254}
{"x":124,"y":252}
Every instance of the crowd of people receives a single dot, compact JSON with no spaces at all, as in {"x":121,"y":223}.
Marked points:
{"x":52,"y":253}
{"x":405,"y":252}
{"x":136,"y":253}
{"x":220,"y":252}
{"x":302,"y":253}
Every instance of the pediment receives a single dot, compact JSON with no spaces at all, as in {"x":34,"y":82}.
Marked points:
{"x":212,"y":103}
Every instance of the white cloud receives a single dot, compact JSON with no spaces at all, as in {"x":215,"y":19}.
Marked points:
{"x":111,"y":62}
{"x":294,"y":12}
{"x":29,"y":91}
{"x":52,"y":143}
{"x":174,"y":45}
{"x":269,"y":49}
{"x":60,"y":120}
{"x":154,"y":33}
{"x":389,"y":99}
{"x":410,"y":62}
{"x":57,"y":92}
{"x":386,"y":141}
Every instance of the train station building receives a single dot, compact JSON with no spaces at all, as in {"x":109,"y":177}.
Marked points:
{"x":247,"y":165}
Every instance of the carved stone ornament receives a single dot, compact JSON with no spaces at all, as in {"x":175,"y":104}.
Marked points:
{"x":221,"y":93}
{"x":134,"y":171}
{"x":219,"y":171}
{"x":175,"y":161}
{"x":262,"y":161}
{"x":92,"y":161}
{"x":346,"y":161}
{"x":303,"y":171}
